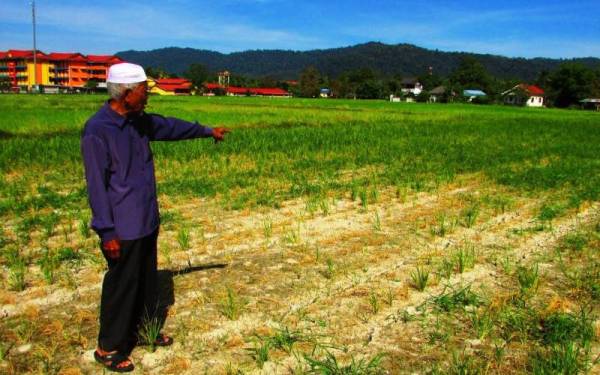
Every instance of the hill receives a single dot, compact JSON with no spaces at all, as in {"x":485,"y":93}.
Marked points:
{"x":398,"y":59}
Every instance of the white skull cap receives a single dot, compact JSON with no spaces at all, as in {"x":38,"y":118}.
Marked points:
{"x":126,"y":73}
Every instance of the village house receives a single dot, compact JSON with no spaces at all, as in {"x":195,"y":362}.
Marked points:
{"x":170,"y":86}
{"x":472,"y":94}
{"x":437,"y":94}
{"x":325,"y":92}
{"x":411,"y":86}
{"x":591,"y":103}
{"x":212,"y":89}
{"x":524,"y":95}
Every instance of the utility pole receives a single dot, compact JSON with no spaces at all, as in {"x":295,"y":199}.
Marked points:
{"x":34,"y":46}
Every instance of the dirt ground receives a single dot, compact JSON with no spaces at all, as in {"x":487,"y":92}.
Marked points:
{"x":337,"y":272}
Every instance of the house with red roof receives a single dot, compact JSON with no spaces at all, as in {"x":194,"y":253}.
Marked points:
{"x":214,"y":88}
{"x":524,"y":95}
{"x":170,"y":86}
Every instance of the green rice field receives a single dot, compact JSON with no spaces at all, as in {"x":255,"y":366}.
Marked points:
{"x":322,"y":237}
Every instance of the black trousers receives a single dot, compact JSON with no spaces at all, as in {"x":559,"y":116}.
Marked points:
{"x":129,"y":294}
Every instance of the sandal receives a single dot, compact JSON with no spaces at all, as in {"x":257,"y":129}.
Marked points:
{"x":163,"y":340}
{"x":112,"y":361}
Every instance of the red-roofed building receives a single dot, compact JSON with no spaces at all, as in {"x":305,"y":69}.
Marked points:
{"x":97,"y":66}
{"x":212,"y":88}
{"x":170,"y":86}
{"x":69,"y":69}
{"x":525,"y":95}
{"x":63,"y":69}
{"x":17,"y":66}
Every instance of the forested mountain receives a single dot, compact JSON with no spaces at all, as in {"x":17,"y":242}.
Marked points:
{"x":388,"y":60}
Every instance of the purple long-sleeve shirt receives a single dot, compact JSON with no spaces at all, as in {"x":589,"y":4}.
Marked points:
{"x":119,"y":169}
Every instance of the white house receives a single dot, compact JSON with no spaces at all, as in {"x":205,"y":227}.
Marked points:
{"x":411,"y":86}
{"x":526,"y":95}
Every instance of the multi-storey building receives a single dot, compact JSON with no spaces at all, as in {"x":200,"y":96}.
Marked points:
{"x":68,"y":69}
{"x":55,"y":69}
{"x":18,"y":67}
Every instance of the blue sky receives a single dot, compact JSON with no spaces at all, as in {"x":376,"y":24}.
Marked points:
{"x":546,"y":28}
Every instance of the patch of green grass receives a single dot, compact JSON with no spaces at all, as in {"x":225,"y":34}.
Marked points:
{"x":550,"y":211}
{"x":561,"y":328}
{"x":453,"y":299}
{"x":284,"y":339}
{"x":567,"y":358}
{"x":483,"y":323}
{"x":330,"y":365}
{"x":574,"y":241}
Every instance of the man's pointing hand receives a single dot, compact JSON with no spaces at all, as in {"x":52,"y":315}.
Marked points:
{"x":219,"y":134}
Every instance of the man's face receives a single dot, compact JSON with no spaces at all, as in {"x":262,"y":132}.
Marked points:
{"x":136,"y":99}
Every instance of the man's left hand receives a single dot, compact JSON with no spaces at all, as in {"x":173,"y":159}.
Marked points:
{"x":219,"y":134}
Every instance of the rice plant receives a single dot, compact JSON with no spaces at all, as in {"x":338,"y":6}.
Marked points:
{"x":469,"y":215}
{"x":149,"y":330}
{"x":285,"y":339}
{"x":232,"y":305}
{"x":454,"y":299}
{"x":374,"y":302}
{"x":267,"y":228}
{"x":528,"y":278}
{"x":377,"y":222}
{"x":419,"y":278}
{"x":464,"y":258}
{"x":48,"y":265}
{"x":260,"y":352}
{"x":183,"y":239}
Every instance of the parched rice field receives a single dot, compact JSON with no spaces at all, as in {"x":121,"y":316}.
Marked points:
{"x":323,"y":237}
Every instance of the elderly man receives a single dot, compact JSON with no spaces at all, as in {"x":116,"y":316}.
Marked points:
{"x":119,"y":171}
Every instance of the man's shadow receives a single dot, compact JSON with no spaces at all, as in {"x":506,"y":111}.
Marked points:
{"x":166,"y":289}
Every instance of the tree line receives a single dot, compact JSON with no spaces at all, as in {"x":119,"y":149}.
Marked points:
{"x":564,"y":86}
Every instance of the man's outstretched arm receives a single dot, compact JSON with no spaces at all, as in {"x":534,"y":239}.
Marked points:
{"x":172,"y":129}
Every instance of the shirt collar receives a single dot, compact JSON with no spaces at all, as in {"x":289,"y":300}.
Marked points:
{"x":114,"y":116}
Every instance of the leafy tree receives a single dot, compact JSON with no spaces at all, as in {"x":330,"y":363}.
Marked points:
{"x":369,"y":89}
{"x":596,"y":84}
{"x":543,"y":79}
{"x":309,"y":82}
{"x":423,"y":96}
{"x":392,"y":86}
{"x":430,"y":81}
{"x":197,"y":74}
{"x":361,"y":83}
{"x":570,"y":83}
{"x":471,"y":74}
{"x":157,"y":73}
{"x":267,"y":81}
